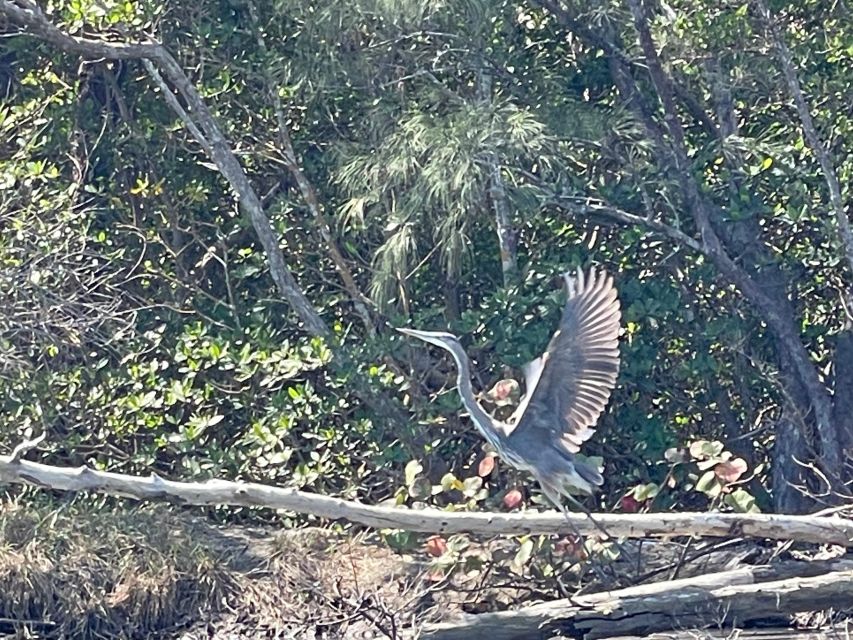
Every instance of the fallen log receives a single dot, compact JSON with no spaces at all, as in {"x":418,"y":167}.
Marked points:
{"x":834,"y":632}
{"x":827,"y":530}
{"x":728,"y":598}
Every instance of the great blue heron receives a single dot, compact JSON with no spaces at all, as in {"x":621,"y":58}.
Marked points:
{"x":567,"y":388}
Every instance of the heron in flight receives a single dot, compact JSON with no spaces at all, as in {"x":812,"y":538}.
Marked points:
{"x":567,"y":388}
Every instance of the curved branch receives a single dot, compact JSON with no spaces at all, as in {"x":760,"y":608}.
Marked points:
{"x":587,"y":206}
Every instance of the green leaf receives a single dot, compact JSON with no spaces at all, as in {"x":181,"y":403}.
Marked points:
{"x":420,"y":488}
{"x":413,"y":468}
{"x":643,"y":492}
{"x":708,"y":484}
{"x":471,"y":486}
{"x":741,"y":501}
{"x":703,"y":449}
{"x":522,"y":556}
{"x":448,"y":481}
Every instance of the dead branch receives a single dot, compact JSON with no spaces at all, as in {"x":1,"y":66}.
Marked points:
{"x":726,"y":598}
{"x":829,"y":530}
{"x":27,"y":445}
{"x":507,"y":236}
{"x":586,"y":207}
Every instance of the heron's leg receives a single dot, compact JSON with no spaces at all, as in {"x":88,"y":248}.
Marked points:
{"x":588,"y":514}
{"x":622,"y":550}
{"x":554,"y":496}
{"x":597,"y":567}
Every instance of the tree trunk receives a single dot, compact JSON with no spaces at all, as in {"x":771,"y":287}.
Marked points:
{"x":452,"y":308}
{"x":778,"y":316}
{"x":842,"y":409}
{"x":742,"y":237}
{"x":507,"y":236}
{"x":788,"y":473}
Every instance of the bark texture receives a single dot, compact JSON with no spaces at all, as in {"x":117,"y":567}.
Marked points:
{"x":831,"y":530}
{"x":727,"y":598}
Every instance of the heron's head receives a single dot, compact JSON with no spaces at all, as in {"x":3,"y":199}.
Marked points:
{"x":439,"y":338}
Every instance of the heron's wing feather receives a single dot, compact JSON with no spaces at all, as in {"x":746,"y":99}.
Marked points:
{"x":578,"y":370}
{"x":532,"y":372}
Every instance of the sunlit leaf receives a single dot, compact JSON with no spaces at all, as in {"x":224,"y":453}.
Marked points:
{"x":413,"y":468}
{"x":730,"y":470}
{"x":486,"y":466}
{"x":436,"y":546}
{"x":522,"y":556}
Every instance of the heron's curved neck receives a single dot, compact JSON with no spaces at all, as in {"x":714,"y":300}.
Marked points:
{"x":487,"y":426}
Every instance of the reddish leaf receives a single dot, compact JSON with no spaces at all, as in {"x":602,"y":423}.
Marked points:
{"x":505,"y":392}
{"x":436,"y":546}
{"x":503,"y":389}
{"x":571,"y":546}
{"x":512,"y":498}
{"x":629,"y":504}
{"x":487,"y":464}
{"x":730,"y":470}
{"x":436,"y":575}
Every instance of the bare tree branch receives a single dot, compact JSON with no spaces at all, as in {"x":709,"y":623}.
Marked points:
{"x":27,"y":445}
{"x":588,"y":207}
{"x":829,"y":530}
{"x":507,"y":236}
{"x":309,"y":193}
{"x":727,"y":597}
{"x":177,"y":107}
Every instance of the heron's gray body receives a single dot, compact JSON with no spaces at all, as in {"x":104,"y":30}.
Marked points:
{"x":568,"y":387}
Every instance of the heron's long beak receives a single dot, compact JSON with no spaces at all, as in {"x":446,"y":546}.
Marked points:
{"x":423,"y":335}
{"x":426,"y":336}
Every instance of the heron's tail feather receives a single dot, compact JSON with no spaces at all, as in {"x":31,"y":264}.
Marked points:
{"x":588,"y":472}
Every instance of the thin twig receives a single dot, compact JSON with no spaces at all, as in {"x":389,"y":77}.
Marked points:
{"x":26,"y":445}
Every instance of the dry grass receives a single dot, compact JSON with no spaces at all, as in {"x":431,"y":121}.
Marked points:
{"x":90,"y":569}
{"x":83,"y":571}
{"x":94,"y":568}
{"x":323,"y":585}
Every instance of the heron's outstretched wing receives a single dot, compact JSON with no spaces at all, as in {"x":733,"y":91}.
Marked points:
{"x":571,"y":382}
